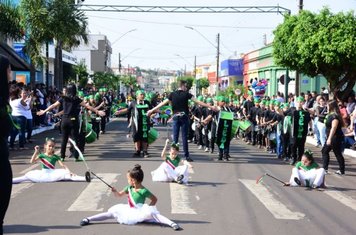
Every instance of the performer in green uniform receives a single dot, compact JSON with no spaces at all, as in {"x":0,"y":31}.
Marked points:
{"x":135,"y":211}
{"x":141,"y":127}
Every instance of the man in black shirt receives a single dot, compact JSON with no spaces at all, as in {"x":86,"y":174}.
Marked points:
{"x":179,"y":100}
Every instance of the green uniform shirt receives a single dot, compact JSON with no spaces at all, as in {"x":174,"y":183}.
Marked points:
{"x":52,"y":159}
{"x":175,"y":162}
{"x":140,"y":196}
{"x":306,"y":168}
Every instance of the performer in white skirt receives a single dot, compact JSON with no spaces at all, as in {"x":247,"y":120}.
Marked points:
{"x":135,"y":211}
{"x":307,"y":173}
{"x":170,"y":170}
{"x":48,"y":173}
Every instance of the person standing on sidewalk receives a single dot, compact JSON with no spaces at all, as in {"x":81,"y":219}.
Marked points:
{"x":179,"y":100}
{"x":5,"y":123}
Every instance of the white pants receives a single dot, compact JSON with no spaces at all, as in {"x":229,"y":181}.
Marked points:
{"x":308,"y":178}
{"x":166,"y":173}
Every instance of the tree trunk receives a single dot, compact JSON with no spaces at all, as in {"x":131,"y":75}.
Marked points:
{"x":58,"y":67}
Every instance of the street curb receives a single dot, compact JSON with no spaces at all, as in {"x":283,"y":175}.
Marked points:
{"x":348,"y":152}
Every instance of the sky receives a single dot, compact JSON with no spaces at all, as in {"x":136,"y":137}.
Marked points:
{"x":161,"y":40}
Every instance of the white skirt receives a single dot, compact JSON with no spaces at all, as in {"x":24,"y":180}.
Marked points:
{"x":124,"y":214}
{"x":165,"y":173}
{"x":49,"y":175}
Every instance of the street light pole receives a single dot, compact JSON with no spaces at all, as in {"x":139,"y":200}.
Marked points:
{"x":217,"y":62}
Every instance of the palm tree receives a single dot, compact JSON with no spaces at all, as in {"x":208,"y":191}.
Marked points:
{"x":59,"y":21}
{"x":9,"y":21}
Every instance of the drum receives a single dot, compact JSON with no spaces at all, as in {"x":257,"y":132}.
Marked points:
{"x":226,"y":115}
{"x":272,"y":137}
{"x":193,"y":126}
{"x":257,"y":128}
{"x":235,"y":126}
{"x":245,"y":125}
{"x":90,"y":137}
{"x":153,"y":135}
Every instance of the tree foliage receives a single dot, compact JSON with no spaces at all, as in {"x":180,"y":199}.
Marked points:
{"x":230,"y":91}
{"x":108,"y":80}
{"x":81,"y":72}
{"x":189,"y":80}
{"x":323,"y":43}
{"x":10,"y":26}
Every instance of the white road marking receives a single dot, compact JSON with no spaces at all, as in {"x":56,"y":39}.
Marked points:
{"x":342,"y":198}
{"x":277,"y":208}
{"x":19,"y":188}
{"x":180,"y":199}
{"x":90,"y":197}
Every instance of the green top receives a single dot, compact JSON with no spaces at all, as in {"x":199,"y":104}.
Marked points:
{"x":51,"y":159}
{"x":175,"y":162}
{"x":138,"y":196}
{"x":314,"y":165}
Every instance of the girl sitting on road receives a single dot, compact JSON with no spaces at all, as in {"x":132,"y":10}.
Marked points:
{"x":170,"y":170}
{"x":48,"y":161}
{"x":307,"y":173}
{"x":135,"y":211}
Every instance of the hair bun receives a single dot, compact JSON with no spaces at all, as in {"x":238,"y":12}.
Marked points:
{"x":137,"y":167}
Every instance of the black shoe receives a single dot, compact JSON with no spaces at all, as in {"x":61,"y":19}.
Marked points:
{"x":339,"y":172}
{"x":145,"y":154}
{"x":84,"y":222}
{"x":220,"y":157}
{"x":136,"y":154}
{"x":180,"y":179}
{"x":62,"y":159}
{"x":226,"y":157}
{"x":292,"y":162}
{"x":189,"y":159}
{"x":297,"y":181}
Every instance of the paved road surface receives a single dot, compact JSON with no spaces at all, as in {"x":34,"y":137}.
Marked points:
{"x":222,"y":197}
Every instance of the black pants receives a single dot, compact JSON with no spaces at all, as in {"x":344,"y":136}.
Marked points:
{"x":199,"y":135}
{"x":298,"y":148}
{"x":336,"y":147}
{"x":96,"y":127}
{"x":103,"y":123}
{"x":286,"y":149}
{"x":70,"y":128}
{"x":6,"y":180}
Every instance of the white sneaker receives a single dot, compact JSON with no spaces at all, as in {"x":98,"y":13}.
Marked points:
{"x":200,"y":147}
{"x":206,"y":150}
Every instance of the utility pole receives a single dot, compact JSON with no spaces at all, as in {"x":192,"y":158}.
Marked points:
{"x":195,"y":68}
{"x":297,"y":75}
{"x":217,"y":62}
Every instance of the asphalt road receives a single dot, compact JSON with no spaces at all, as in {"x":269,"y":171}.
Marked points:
{"x":221,"y":197}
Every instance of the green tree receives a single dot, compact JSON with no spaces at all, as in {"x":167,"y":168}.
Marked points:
{"x":323,"y":43}
{"x":174,"y":86}
{"x":108,"y":80}
{"x":10,"y":26}
{"x":52,"y":20}
{"x":81,"y":72}
{"x":202,"y":83}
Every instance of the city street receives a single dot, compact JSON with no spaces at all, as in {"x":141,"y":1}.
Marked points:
{"x":221,"y":197}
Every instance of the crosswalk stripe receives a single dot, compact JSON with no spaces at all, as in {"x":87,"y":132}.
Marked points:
{"x":277,"y":208}
{"x":29,"y":169}
{"x":180,"y":199}
{"x":90,"y":197}
{"x":19,"y":188}
{"x":342,"y":198}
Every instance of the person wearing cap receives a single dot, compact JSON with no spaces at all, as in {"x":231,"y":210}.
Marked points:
{"x":103,"y":103}
{"x":207,"y":127}
{"x":300,"y":123}
{"x":140,"y":120}
{"x":179,"y":100}
{"x":277,"y":124}
{"x":252,"y":117}
{"x":198,"y":117}
{"x":286,"y":131}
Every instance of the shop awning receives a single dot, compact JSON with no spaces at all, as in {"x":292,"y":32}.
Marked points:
{"x":17,"y":63}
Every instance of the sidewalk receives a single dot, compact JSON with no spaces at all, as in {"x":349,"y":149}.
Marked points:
{"x":347,"y":152}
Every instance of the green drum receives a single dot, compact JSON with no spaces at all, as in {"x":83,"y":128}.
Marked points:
{"x":90,"y":137}
{"x":235,"y":126}
{"x":152,"y":135}
{"x":245,"y":125}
